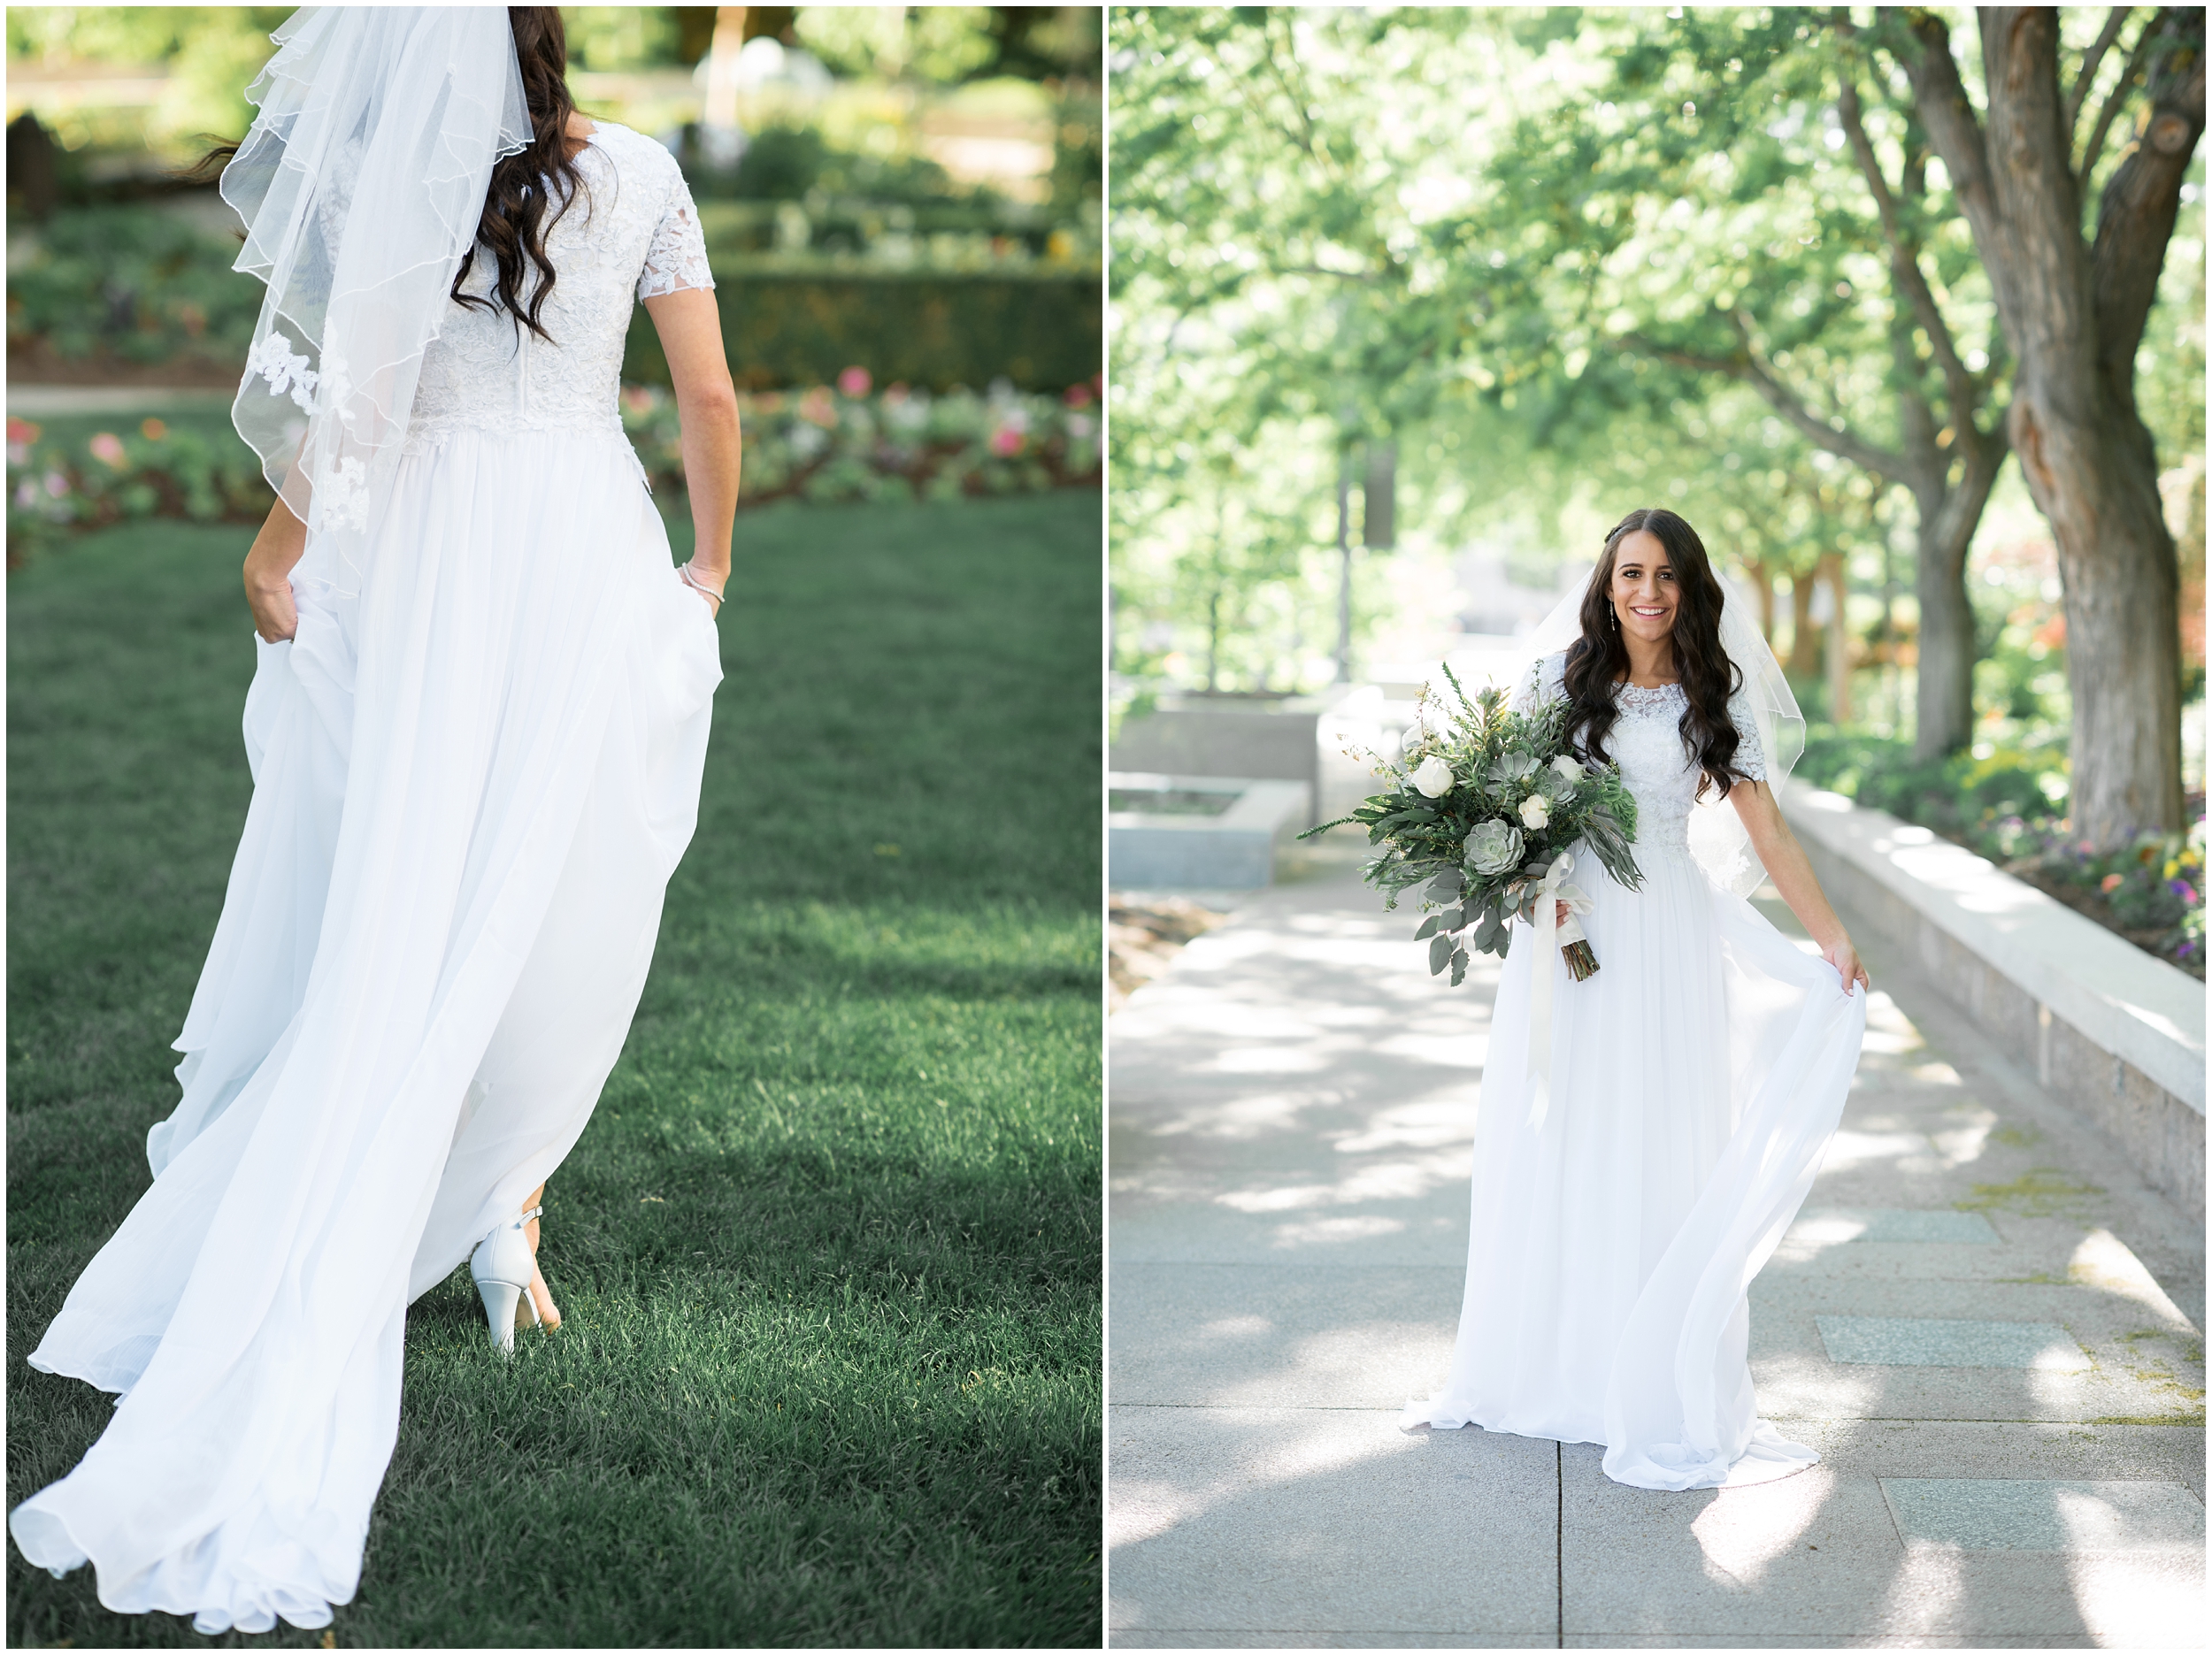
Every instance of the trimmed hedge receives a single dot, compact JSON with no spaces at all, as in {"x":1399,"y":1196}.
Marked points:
{"x":933,"y":332}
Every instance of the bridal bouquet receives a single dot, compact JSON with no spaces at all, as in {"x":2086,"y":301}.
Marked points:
{"x":1481,"y":812}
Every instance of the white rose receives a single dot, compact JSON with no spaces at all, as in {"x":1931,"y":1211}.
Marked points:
{"x":1434,"y":777}
{"x":1569,"y":770}
{"x":1535,"y":813}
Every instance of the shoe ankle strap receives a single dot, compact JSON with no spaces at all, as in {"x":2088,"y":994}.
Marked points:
{"x":532,"y":1214}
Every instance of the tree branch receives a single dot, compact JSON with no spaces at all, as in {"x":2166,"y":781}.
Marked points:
{"x":2112,"y":104}
{"x":1956,"y":135}
{"x":2091,"y":61}
{"x":2135,"y":217}
{"x":1904,"y":254}
{"x":1746,"y":366}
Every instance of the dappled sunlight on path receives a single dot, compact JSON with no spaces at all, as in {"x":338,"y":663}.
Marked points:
{"x":1982,"y":1320}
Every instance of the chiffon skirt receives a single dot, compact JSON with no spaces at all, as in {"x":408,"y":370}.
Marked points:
{"x":471,"y":781}
{"x":1696,"y":1082}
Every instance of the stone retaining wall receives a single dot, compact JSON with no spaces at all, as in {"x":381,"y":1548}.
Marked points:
{"x":2116,"y":1034}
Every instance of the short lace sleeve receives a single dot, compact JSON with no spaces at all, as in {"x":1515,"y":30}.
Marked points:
{"x":677,"y":258}
{"x":1751,"y":757}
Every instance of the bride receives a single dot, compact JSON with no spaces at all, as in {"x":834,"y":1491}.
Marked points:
{"x":1620,"y":1215}
{"x":477,"y":726}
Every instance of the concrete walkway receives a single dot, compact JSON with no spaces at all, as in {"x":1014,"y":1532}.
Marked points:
{"x":1984,"y":1321}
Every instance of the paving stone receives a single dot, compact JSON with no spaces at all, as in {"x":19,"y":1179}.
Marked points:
{"x":1819,"y":1556}
{"x":1952,"y":1228}
{"x":2020,"y":1515}
{"x":1281,"y":1336}
{"x":1930,"y":1341}
{"x":1263,"y":1520}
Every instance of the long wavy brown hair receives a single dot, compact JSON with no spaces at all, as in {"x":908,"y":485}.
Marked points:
{"x":1598,"y":660}
{"x":516,"y":221}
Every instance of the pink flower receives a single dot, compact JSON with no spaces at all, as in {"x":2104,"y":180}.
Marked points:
{"x":2186,"y":892}
{"x":855,"y":382}
{"x":2109,"y":883}
{"x":152,"y":430}
{"x":1078,"y":396}
{"x":1006,"y":443}
{"x":20,"y":431}
{"x":107,"y":448}
{"x":56,"y":485}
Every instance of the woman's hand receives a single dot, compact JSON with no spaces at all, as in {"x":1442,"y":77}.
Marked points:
{"x":707,"y":589}
{"x":268,"y":574}
{"x":1845,"y":958}
{"x":275,"y":617}
{"x":1561,"y":908}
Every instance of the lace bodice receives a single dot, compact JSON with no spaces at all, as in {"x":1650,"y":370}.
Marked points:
{"x":1645,"y":741}
{"x":634,"y":235}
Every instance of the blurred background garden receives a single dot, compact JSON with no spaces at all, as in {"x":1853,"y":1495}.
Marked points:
{"x":830,"y":1252}
{"x":1411,"y":304}
{"x":902,"y":207}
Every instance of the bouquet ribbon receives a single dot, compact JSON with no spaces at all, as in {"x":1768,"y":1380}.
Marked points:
{"x":1550,"y":938}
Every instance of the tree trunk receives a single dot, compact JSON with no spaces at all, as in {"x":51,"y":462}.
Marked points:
{"x":1839,"y":641}
{"x":1945,"y":691}
{"x":2074,"y":317}
{"x":1762,"y":591}
{"x":2099,"y":486}
{"x":1804,"y":661}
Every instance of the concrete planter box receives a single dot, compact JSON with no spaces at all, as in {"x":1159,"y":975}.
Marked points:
{"x":1261,"y":740}
{"x":1234,"y":850}
{"x":2117,"y":1034}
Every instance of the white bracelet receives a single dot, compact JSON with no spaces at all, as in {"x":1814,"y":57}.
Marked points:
{"x":690,"y":577}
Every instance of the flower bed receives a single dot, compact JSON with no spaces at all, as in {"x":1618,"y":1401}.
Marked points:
{"x":2011,"y":807}
{"x":153,"y":469}
{"x":852,"y":442}
{"x":827,"y":443}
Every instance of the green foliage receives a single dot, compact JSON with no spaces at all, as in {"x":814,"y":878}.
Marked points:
{"x":838,"y":1384}
{"x":949,"y":44}
{"x":1483,"y":801}
{"x":131,"y":282}
{"x":616,"y":37}
{"x":791,"y":160}
{"x":210,"y":54}
{"x":1957,"y":795}
{"x":802,"y":327}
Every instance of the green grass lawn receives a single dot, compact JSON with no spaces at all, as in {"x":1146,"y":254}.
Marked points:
{"x":829,"y":1253}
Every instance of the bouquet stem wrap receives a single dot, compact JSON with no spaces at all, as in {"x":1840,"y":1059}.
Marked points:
{"x":1551,"y":890}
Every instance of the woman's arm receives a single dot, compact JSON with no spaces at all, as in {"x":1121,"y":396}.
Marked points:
{"x":690,"y":329}
{"x":1785,"y":861}
{"x":269,"y":564}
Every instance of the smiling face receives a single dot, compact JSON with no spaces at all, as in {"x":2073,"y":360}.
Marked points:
{"x":1643,"y":591}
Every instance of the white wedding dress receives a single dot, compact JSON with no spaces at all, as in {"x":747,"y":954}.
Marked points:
{"x":1695,"y":1080}
{"x":471,"y":781}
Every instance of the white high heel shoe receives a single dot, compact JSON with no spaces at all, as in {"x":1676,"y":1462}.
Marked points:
{"x":501,"y":1266}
